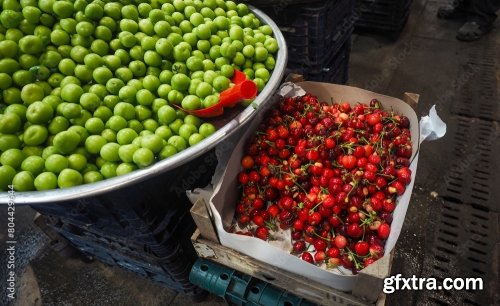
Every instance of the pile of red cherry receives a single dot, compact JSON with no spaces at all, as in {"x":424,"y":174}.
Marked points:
{"x":329,"y":173}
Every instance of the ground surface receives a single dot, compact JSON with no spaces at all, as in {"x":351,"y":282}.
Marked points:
{"x":451,"y":228}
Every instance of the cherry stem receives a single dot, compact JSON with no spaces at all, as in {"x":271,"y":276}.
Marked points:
{"x":326,"y":239}
{"x":258,"y":189}
{"x":316,"y":206}
{"x":385,"y":175}
{"x":270,"y":143}
{"x":363,"y":139}
{"x":367,"y":221}
{"x":358,"y":265}
{"x":298,"y":185}
{"x":356,"y":182}
{"x":394,"y":180}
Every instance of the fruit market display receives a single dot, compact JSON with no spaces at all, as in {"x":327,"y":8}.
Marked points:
{"x":89,"y":90}
{"x":330,"y":174}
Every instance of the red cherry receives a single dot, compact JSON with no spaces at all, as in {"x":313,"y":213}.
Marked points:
{"x":306,"y":256}
{"x":368,"y":261}
{"x":384,"y":231}
{"x":298,"y":225}
{"x":333,"y":262}
{"x":312,"y":155}
{"x":262,"y":233}
{"x":314,"y":218}
{"x":258,"y":203}
{"x":373,"y":119}
{"x":346,"y":261}
{"x":397,"y":187}
{"x":329,"y":143}
{"x":297,"y":235}
{"x":320,"y":245}
{"x":345,"y":107}
{"x":354,"y":230}
{"x":359,"y":152}
{"x":299,"y":246}
{"x":258,"y":220}
{"x":333,"y":252}
{"x":388,"y":206}
{"x":376,"y":250}
{"x":319,"y":256}
{"x":273,"y":210}
{"x":282,"y":132}
{"x":254,"y":176}
{"x":329,"y":201}
{"x":349,"y":161}
{"x":404,"y":175}
{"x":334,"y":221}
{"x":243,"y":178}
{"x":380,"y":182}
{"x":243,"y":220}
{"x":369,"y":176}
{"x":374,"y":159}
{"x":340,"y":241}
{"x":404,"y":151}
{"x":361,"y":248}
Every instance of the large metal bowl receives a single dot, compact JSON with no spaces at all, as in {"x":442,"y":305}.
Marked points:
{"x":232,"y":122}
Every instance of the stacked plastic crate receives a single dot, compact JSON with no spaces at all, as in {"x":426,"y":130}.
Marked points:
{"x":318,"y":36}
{"x":387,"y":16}
{"x":144,"y":228}
{"x":240,"y":289}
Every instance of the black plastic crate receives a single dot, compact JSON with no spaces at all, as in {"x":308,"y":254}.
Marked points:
{"x":383,"y":15}
{"x":149,"y":244}
{"x":391,"y":28}
{"x":383,"y":6}
{"x":336,"y":73}
{"x":315,"y":34}
{"x":388,"y":16}
{"x":314,"y":23}
{"x":334,"y":69}
{"x":156,"y":272}
{"x":314,"y":30}
{"x":172,"y":271}
{"x":277,"y":4}
{"x":314,"y":61}
{"x":313,"y":20}
{"x":125,"y":224}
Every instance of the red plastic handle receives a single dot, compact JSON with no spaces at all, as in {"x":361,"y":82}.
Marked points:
{"x":240,"y":91}
{"x":212,"y":111}
{"x":243,"y":89}
{"x":238,"y":77}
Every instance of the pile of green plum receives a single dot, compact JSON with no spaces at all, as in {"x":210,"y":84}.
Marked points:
{"x":88,"y":89}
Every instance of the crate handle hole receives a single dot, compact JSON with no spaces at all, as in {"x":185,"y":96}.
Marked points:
{"x":268,"y":277}
{"x":204,"y":268}
{"x":255,"y":290}
{"x":287,"y":303}
{"x":224,"y":276}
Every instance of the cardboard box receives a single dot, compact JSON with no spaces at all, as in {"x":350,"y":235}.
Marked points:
{"x":226,"y":193}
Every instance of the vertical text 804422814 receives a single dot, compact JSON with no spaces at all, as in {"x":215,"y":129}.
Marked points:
{"x":10,"y":249}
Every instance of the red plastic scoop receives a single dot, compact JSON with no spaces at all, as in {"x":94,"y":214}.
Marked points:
{"x":243,"y":89}
{"x":240,"y":91}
